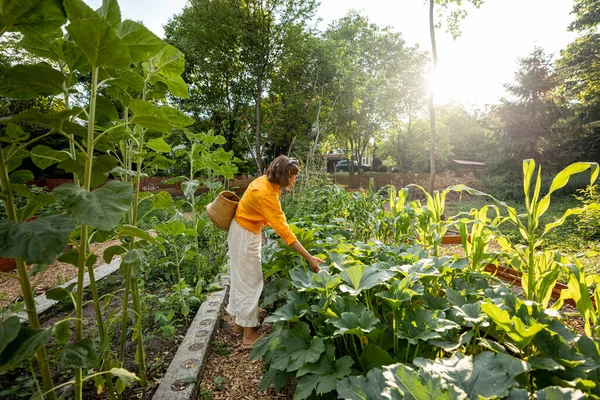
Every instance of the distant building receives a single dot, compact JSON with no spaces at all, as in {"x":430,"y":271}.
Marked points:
{"x":463,"y":167}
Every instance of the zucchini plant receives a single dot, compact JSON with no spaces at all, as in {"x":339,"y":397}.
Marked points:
{"x":389,"y":321}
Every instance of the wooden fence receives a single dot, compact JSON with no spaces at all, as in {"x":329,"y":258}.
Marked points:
{"x":153,"y":184}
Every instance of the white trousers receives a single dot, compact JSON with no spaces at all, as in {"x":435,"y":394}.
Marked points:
{"x":246,"y":277}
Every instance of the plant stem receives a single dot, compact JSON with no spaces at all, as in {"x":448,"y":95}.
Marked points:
{"x":134,"y":282}
{"x":140,"y":338}
{"x":25,"y":284}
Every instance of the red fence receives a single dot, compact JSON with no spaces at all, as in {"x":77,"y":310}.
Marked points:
{"x":152,"y":184}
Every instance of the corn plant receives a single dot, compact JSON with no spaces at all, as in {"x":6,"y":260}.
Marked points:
{"x":540,"y":269}
{"x":476,"y":233}
{"x":579,"y":284}
{"x":430,"y":226}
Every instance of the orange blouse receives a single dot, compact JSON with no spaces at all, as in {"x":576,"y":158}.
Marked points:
{"x":259,"y":206}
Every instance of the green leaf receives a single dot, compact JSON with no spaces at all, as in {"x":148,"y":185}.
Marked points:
{"x":23,"y":82}
{"x":72,"y":55}
{"x":23,"y":347}
{"x":414,"y":385}
{"x":276,"y":378}
{"x":62,"y":331}
{"x":323,"y":375}
{"x":422,"y":324}
{"x":158,"y":145}
{"x":9,"y":329}
{"x":169,"y":62}
{"x":178,"y":87}
{"x":54,"y":120}
{"x":559,"y":393}
{"x":77,"y":9}
{"x":162,"y":201}
{"x":38,"y":241}
{"x":44,"y":156}
{"x":82,"y":354}
{"x":42,"y":45}
{"x":99,"y":42}
{"x":111,"y":12}
{"x":124,"y":375}
{"x":353,"y":324}
{"x":130,"y":230}
{"x":547,"y":364}
{"x":514,"y":326}
{"x":106,"y":112}
{"x":21,"y":176}
{"x":137,"y":260}
{"x":291,"y":311}
{"x":123,"y":79}
{"x":171,"y":228}
{"x":32,"y":16}
{"x":488,"y":375}
{"x":58,"y":293}
{"x":15,"y":132}
{"x":297,"y":348}
{"x":142,"y":43}
{"x":369,"y":387}
{"x":112,"y":251}
{"x":189,"y":188}
{"x":362,"y":277}
{"x":162,"y":119}
{"x":102,"y":208}
{"x":102,"y":166}
{"x":72,"y":257}
{"x":374,"y":356}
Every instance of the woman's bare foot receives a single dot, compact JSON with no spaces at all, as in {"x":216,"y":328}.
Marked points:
{"x":250,"y":337}
{"x":237,"y":329}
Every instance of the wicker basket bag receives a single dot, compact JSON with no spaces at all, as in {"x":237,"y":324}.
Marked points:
{"x":222,"y":209}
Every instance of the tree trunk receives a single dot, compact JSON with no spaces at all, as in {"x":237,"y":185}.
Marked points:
{"x":257,"y":123}
{"x":431,"y":98}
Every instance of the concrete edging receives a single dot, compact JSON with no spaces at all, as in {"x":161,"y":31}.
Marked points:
{"x":43,"y":304}
{"x":181,"y":381}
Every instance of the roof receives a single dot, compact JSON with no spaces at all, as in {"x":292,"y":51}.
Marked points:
{"x":474,"y":163}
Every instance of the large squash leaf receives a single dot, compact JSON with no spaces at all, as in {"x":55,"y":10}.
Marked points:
{"x":101,"y":208}
{"x":39,"y":241}
{"x":23,"y":347}
{"x":297,"y":348}
{"x":31,"y":16}
{"x":488,"y":375}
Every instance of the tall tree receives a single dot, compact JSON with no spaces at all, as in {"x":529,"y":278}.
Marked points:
{"x":578,"y":70}
{"x":452,"y":26}
{"x":372,"y":63}
{"x":532,"y":111}
{"x":209,"y":34}
{"x":233,"y":48}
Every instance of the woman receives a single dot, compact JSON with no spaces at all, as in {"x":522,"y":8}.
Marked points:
{"x":259,"y":206}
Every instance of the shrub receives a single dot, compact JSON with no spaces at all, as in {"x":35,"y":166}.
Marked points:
{"x":589,"y":221}
{"x":382,"y":168}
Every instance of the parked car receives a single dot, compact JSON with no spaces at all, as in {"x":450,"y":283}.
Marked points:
{"x":342,"y":166}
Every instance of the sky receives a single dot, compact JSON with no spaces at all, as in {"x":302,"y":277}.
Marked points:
{"x":472,"y":68}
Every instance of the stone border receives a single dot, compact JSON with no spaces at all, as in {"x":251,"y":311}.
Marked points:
{"x":43,"y":304}
{"x":181,"y":381}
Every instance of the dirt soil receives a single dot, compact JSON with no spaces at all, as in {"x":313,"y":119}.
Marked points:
{"x":229,"y":373}
{"x":56,"y":274}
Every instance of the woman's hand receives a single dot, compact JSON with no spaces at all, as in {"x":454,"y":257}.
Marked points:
{"x":314,"y":263}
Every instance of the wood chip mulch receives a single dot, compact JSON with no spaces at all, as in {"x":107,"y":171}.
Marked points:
{"x":56,"y":274}
{"x":229,"y":373}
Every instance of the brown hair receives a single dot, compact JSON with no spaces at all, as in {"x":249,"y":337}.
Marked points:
{"x":281,"y":170}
